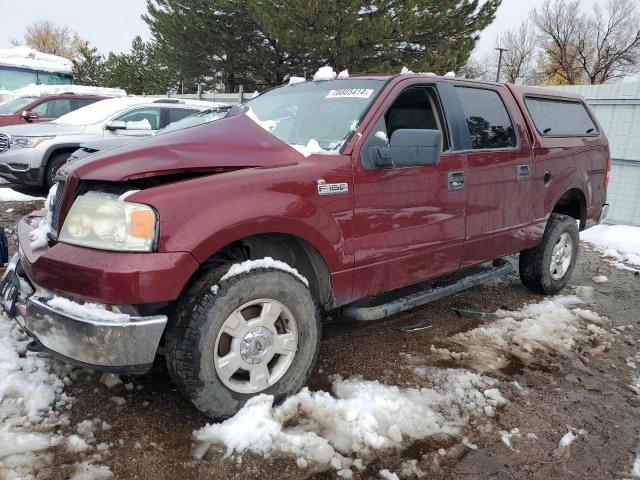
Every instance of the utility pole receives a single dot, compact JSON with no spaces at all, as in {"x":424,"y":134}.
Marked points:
{"x":501,"y":50}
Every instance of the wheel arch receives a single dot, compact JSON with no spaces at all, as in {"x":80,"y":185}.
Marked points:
{"x":291,"y":249}
{"x":573,"y":203}
{"x":52,"y":152}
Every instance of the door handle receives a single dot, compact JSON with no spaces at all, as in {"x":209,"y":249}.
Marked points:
{"x":456,"y":180}
{"x":523,"y":172}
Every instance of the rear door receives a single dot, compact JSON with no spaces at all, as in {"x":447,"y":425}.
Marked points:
{"x":408,"y":221}
{"x":500,"y":173}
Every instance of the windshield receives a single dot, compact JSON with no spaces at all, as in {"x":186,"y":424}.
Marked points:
{"x":199,"y":118}
{"x":314,"y":117}
{"x":14,"y":106}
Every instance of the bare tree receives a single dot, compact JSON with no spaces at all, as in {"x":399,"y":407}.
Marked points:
{"x":518,"y":61}
{"x":479,"y":68}
{"x":46,"y":37}
{"x":560,"y":24}
{"x":609,"y":43}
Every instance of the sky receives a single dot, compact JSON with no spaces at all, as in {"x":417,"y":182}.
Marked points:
{"x":110,"y":25}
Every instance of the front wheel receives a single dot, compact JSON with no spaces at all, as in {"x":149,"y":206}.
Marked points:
{"x":258,"y":333}
{"x":547,"y":268}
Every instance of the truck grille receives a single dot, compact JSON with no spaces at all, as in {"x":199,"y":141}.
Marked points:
{"x":4,"y":143}
{"x":57,"y":205}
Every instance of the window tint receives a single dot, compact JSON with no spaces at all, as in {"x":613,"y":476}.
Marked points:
{"x":176,"y":114}
{"x":487,"y":117}
{"x":53,"y":108}
{"x":83,"y":102}
{"x":560,"y":117}
{"x":151,"y":114}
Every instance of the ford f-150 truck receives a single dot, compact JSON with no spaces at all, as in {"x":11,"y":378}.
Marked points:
{"x":224,"y":242}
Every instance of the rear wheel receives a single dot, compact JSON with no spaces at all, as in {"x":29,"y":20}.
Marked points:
{"x":547,"y":268}
{"x":53,"y":165}
{"x":258,"y":333}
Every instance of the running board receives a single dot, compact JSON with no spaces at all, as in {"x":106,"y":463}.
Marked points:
{"x":499,"y":269}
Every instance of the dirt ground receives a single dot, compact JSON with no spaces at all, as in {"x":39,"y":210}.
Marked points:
{"x":151,"y":435}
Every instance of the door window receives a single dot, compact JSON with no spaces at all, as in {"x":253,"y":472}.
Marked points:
{"x":150,"y":114}
{"x":176,"y":114}
{"x":83,"y":102}
{"x":53,"y":108}
{"x":489,"y":123}
{"x":415,"y":108}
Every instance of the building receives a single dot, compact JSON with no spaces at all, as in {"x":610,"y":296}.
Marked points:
{"x":617,"y":107}
{"x":23,"y":66}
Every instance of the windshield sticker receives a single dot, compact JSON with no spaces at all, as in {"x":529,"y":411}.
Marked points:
{"x":350,"y":93}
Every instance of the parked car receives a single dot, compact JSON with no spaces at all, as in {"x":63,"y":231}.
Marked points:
{"x":198,"y":118}
{"x":42,"y":109}
{"x":32,"y":154}
{"x":226,"y":240}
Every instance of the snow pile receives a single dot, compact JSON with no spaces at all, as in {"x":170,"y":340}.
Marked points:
{"x":25,"y":57}
{"x":405,"y":71}
{"x":39,"y":236}
{"x":34,"y":90}
{"x":267,"y":125}
{"x":87,"y":311}
{"x":138,"y":125}
{"x":9,"y":195}
{"x":294,"y":80}
{"x":619,"y":243}
{"x":325,"y":73}
{"x":358,"y":420}
{"x":266,"y":262}
{"x":600,"y":279}
{"x":313,"y":148}
{"x":343,"y":75}
{"x":542,"y":330}
{"x":31,"y":390}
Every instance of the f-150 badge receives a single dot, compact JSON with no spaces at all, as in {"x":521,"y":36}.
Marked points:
{"x":332,"y":188}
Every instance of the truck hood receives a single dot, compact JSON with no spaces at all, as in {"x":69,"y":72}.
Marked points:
{"x":233,"y":142}
{"x":41,"y":130}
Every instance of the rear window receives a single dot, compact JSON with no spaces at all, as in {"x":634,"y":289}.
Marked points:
{"x":560,"y":118}
{"x":489,"y":123}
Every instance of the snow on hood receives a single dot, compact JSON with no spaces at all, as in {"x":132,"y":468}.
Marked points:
{"x":41,"y":129}
{"x":233,"y":142}
{"x":25,"y":57}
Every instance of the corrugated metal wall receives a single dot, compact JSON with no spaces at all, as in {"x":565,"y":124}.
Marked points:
{"x":617,"y":107}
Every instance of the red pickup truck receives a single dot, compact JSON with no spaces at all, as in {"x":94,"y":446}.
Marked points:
{"x":224,"y":242}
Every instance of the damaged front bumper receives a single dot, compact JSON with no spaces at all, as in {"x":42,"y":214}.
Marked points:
{"x":122,"y":347}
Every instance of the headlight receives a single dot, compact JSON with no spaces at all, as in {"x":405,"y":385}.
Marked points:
{"x":28,"y":142}
{"x":105,"y":222}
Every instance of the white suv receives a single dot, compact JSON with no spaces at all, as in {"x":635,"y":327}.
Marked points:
{"x":32,"y":154}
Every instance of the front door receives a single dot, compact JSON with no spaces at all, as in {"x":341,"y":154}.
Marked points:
{"x":408,"y":220}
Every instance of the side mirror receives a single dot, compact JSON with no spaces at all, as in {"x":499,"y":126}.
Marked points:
{"x":116,"y":125}
{"x":409,"y":148}
{"x":29,"y":116}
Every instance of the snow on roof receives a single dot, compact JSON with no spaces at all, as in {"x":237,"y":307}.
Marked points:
{"x":34,"y":90}
{"x":25,"y":57}
{"x":100,"y":111}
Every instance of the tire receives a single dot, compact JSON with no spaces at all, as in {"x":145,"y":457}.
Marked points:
{"x":536,"y":264}
{"x":195,"y":342}
{"x":56,"y":161}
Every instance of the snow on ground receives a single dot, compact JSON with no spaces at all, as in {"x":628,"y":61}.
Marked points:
{"x":360,"y":418}
{"x":619,"y":244}
{"x":9,"y":195}
{"x":33,"y":412}
{"x":551,"y":327}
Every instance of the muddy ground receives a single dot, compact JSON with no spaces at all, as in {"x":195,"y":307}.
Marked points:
{"x":151,"y":435}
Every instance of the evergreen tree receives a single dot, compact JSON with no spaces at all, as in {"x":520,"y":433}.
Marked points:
{"x":140,"y":71}
{"x":262,"y":42}
{"x":88,"y":66}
